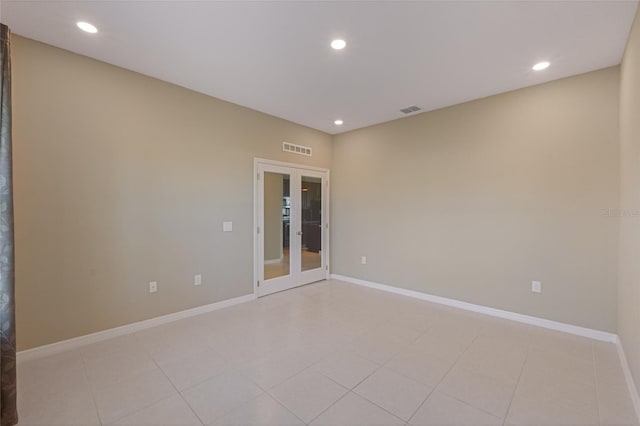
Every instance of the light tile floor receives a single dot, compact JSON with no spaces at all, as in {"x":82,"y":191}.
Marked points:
{"x":331,"y":353}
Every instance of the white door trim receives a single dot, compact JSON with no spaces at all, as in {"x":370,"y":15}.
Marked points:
{"x":326,"y":209}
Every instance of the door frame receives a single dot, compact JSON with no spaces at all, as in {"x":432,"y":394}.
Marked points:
{"x":326,"y":247}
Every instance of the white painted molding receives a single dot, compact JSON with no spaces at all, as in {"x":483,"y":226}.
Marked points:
{"x":76,"y":342}
{"x":540,"y":322}
{"x":631,"y":384}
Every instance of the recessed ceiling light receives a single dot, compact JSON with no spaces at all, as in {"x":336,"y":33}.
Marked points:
{"x":338,"y":44}
{"x":85,"y":26}
{"x":338,"y":122}
{"x":541,"y":66}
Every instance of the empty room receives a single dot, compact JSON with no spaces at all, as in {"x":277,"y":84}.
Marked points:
{"x":320,"y":212}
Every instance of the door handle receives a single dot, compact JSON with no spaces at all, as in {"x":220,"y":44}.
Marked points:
{"x":299,"y":232}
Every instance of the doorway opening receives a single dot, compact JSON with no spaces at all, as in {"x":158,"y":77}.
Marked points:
{"x":292,"y":222}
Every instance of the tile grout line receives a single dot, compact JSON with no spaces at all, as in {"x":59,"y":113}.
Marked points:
{"x":174,"y":387}
{"x":318,"y":415}
{"x":123,"y":380}
{"x":309,"y":367}
{"x":432,"y":355}
{"x":331,"y":405}
{"x":227,"y":367}
{"x":351,"y":390}
{"x":515,"y":389}
{"x":91,"y":390}
{"x":595,"y":382}
{"x":323,"y":375}
{"x":444,"y":377}
{"x":284,"y":407}
{"x":359,"y":396}
{"x":383,"y":365}
{"x":267,"y":390}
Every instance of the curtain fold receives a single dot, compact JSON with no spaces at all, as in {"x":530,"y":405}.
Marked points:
{"x":8,"y":398}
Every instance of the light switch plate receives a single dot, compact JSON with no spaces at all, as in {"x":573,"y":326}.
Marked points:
{"x":227,"y":226}
{"x":197,"y":279}
{"x":153,"y":286}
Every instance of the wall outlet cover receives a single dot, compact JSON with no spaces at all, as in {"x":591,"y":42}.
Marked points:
{"x":536,"y":286}
{"x":153,"y":286}
{"x":197,"y":279}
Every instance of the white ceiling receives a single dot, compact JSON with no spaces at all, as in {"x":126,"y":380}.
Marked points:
{"x":275,"y":56}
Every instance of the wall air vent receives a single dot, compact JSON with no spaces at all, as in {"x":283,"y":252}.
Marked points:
{"x":297,"y":149}
{"x":410,"y":109}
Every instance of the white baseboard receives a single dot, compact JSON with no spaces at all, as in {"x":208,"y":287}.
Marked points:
{"x":631,"y":384}
{"x":540,"y":322}
{"x":76,"y":342}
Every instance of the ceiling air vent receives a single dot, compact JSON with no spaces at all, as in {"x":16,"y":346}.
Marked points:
{"x":297,"y":149}
{"x":410,"y":109}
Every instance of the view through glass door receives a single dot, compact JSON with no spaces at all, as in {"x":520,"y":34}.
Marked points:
{"x":291,"y":203}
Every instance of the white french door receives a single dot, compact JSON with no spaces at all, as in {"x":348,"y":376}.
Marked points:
{"x":292,"y":226}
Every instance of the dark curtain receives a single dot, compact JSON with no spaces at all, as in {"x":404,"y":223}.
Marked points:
{"x":8,"y":407}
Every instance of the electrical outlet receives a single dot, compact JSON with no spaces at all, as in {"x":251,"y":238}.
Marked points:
{"x":363,"y":260}
{"x":197,"y":279}
{"x":536,"y":286}
{"x":153,"y":286}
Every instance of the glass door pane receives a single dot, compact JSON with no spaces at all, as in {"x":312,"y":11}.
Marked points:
{"x":277,"y":214}
{"x":311,"y":203}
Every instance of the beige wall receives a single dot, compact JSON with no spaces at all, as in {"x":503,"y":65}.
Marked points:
{"x":475,"y":201}
{"x":121,"y":179}
{"x":629,"y":288}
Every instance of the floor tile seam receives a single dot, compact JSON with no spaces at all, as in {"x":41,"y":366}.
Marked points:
{"x":395,"y":415}
{"x":379,"y":366}
{"x":85,"y":376}
{"x":311,"y":421}
{"x":515,"y":389}
{"x":363,"y":397}
{"x":199,"y":381}
{"x":230,"y":359}
{"x":492,"y":378}
{"x":439,"y":358}
{"x":279,"y":403}
{"x":338,"y":383}
{"x":267,"y":389}
{"x":309,"y":367}
{"x":183,"y":355}
{"x":138,"y":410}
{"x":468,"y":405}
{"x":595,"y":382}
{"x":143,"y":348}
{"x":444,"y":392}
{"x":411,"y":378}
{"x":435,"y":388}
{"x":123,"y":379}
{"x":552,"y":351}
{"x":178,"y":392}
